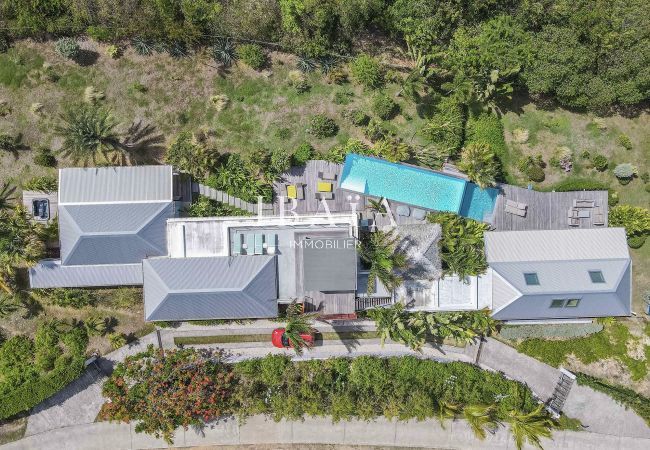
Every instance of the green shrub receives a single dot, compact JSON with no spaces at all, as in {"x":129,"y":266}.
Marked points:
{"x":67,"y":47}
{"x":207,"y":207}
{"x":358,"y":117}
{"x":4,"y":43}
{"x":252,"y":55}
{"x":191,"y":156}
{"x":338,"y":153}
{"x":578,"y":184}
{"x":535,"y":173}
{"x":46,"y":183}
{"x":636,"y":241}
{"x":303,"y":154}
{"x":383,"y":106}
{"x":237,"y":179}
{"x":343,"y":97}
{"x":624,"y":171}
{"x":69,"y":298}
{"x":645,"y":177}
{"x":392,"y":149}
{"x":375,"y":130}
{"x":283,"y":133}
{"x":322,"y":126}
{"x":487,"y":128}
{"x":99,"y":33}
{"x":9,"y":143}
{"x":565,"y":331}
{"x":600,"y":162}
{"x":585,"y":154}
{"x":44,"y":157}
{"x":113,"y":51}
{"x":117,"y":340}
{"x":624,"y":141}
{"x":367,"y":71}
{"x":647,"y":187}
{"x":625,"y":396}
{"x":445,"y":130}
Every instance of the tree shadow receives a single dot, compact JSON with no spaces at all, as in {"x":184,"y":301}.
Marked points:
{"x":86,"y":57}
{"x":140,"y":145}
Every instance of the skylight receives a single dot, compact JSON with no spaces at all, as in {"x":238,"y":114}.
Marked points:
{"x":596,"y":276}
{"x":531,"y":279}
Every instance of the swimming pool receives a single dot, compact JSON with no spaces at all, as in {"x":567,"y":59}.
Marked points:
{"x":416,"y":186}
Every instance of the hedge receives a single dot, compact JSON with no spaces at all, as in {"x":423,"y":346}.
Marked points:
{"x":514,"y":332}
{"x":34,"y":392}
{"x":626,"y":397}
{"x":487,"y":128}
{"x":578,"y":184}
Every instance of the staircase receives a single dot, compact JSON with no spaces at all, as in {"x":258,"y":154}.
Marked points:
{"x":223,"y":197}
{"x":561,"y":392}
{"x":361,"y":303}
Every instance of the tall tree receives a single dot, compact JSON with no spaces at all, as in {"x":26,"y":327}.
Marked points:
{"x":88,"y":134}
{"x":478,"y":161}
{"x":529,"y":427}
{"x":7,"y":196}
{"x":379,"y":251}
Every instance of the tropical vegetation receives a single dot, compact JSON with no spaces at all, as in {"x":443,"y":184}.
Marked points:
{"x":478,"y":162}
{"x":151,"y":389}
{"x":379,"y":251}
{"x":414,"y":329}
{"x":461,"y":244}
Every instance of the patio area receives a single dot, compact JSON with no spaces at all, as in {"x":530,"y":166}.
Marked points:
{"x":519,"y":209}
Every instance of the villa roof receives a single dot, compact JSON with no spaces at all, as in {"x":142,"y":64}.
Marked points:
{"x":210,"y":288}
{"x":592,"y":264}
{"x":329,"y":264}
{"x":115,"y":184}
{"x":114,"y":215}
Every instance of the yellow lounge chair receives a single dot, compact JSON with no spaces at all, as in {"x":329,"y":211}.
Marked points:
{"x":292,"y":192}
{"x":324,"y":186}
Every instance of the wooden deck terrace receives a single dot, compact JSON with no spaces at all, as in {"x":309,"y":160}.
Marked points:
{"x":546,"y":210}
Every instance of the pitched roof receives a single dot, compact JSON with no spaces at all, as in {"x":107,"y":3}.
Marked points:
{"x":556,"y":245}
{"x":115,"y":184}
{"x":119,"y":233}
{"x":51,"y":274}
{"x":210,"y":288}
{"x":561,"y":260}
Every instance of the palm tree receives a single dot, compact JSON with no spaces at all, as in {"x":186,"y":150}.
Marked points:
{"x":88,"y":133}
{"x":478,"y":161}
{"x":20,"y":244}
{"x":8,"y":305}
{"x":379,"y":250}
{"x":530,"y":426}
{"x":298,"y":323}
{"x":481,"y":419}
{"x":446,"y":411}
{"x":377,"y":206}
{"x":394,"y":323}
{"x":95,"y":325}
{"x":7,"y":196}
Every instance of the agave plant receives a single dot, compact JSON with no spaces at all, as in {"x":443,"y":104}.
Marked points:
{"x":327,"y":64}
{"x":529,"y":427}
{"x":224,"y":52}
{"x":306,"y":64}
{"x":142,"y":46}
{"x":95,"y":325}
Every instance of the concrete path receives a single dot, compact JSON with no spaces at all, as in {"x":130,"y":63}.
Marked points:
{"x":260,"y":430}
{"x":81,"y":401}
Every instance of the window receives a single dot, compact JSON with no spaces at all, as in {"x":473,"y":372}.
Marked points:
{"x":557,"y":303}
{"x":596,"y":276}
{"x":572,"y":302}
{"x":531,"y":279}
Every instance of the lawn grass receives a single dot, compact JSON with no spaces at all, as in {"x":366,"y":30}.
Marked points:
{"x":613,"y":342}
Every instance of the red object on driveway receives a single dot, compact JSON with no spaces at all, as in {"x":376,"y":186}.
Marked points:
{"x":280,"y":340}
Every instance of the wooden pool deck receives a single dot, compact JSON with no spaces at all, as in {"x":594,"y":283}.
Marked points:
{"x":545,"y":210}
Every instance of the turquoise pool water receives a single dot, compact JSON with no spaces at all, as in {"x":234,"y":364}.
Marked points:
{"x":416,"y":186}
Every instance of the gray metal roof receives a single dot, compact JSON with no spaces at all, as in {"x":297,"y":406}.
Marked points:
{"x":210,"y":288}
{"x":115,"y":184}
{"x":556,"y":245}
{"x":51,"y":274}
{"x":120,"y":233}
{"x":329,"y":264}
{"x":562,"y":260}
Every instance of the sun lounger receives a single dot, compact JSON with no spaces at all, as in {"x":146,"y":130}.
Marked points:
{"x":236,"y":244}
{"x":259,"y":244}
{"x":582,"y":203}
{"x":584,"y":213}
{"x":403,"y":210}
{"x":269,"y":243}
{"x":419,"y":214}
{"x":324,"y":195}
{"x":292,"y":191}
{"x":599,"y":217}
{"x":573,"y":222}
{"x":573,"y":213}
{"x":510,"y":209}
{"x":324,"y":186}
